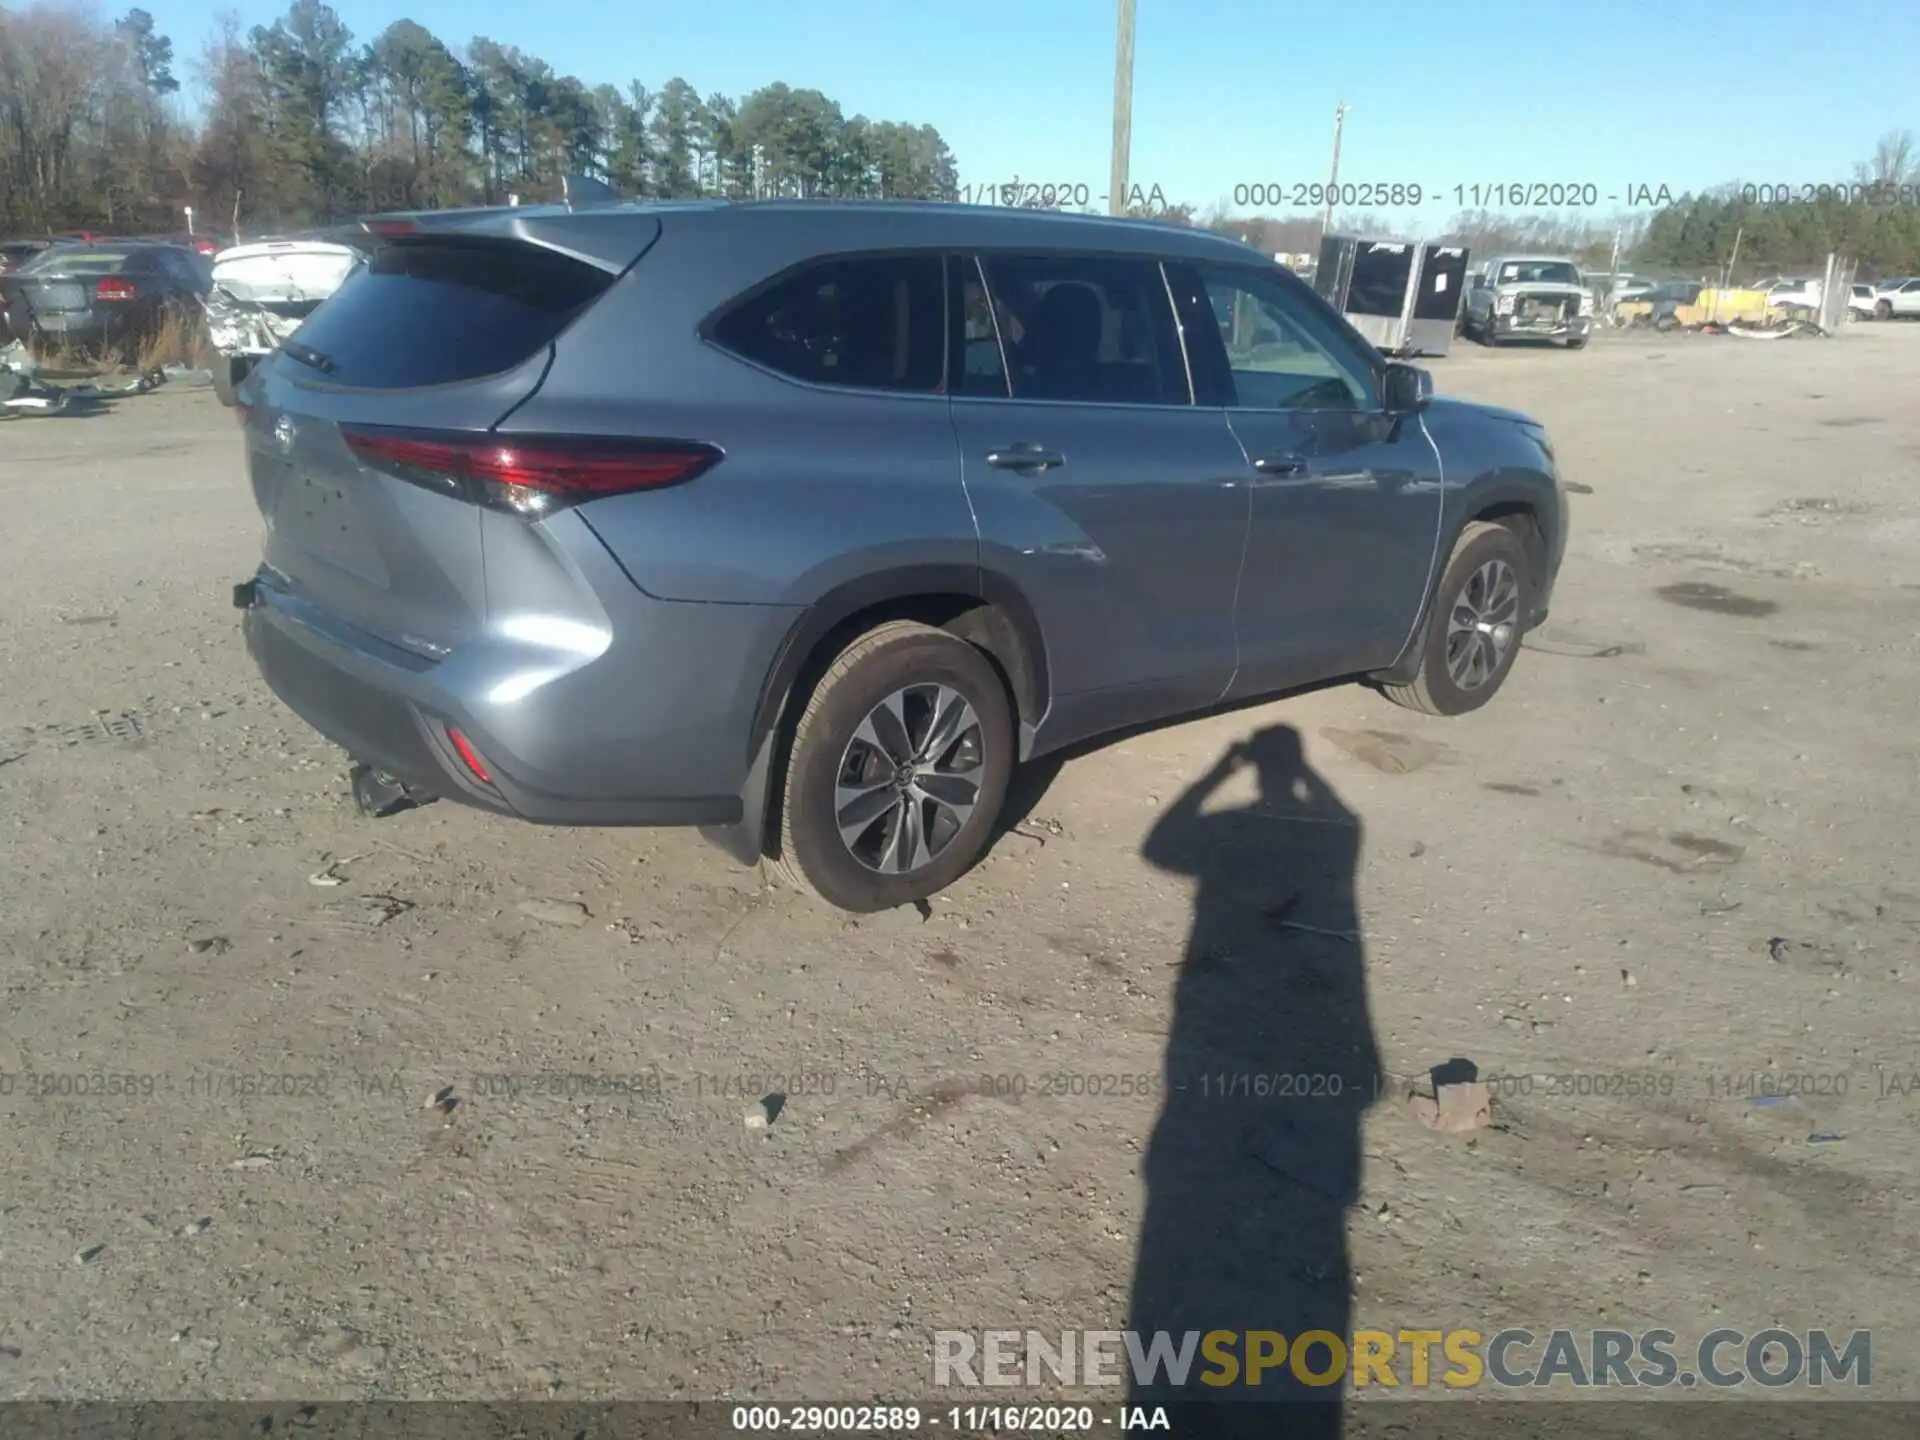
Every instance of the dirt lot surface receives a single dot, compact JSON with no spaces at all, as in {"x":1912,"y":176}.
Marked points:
{"x":1678,"y":853}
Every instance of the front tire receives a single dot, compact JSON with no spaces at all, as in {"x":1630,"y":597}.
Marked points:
{"x":898,"y":770}
{"x":1473,"y":634}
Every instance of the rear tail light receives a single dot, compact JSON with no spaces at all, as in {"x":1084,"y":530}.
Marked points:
{"x":469,"y":756}
{"x":114,"y":288}
{"x":531,"y":475}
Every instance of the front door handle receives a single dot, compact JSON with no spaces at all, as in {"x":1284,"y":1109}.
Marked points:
{"x":1280,"y":465}
{"x":1025,"y":457}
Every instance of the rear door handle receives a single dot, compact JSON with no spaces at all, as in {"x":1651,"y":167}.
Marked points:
{"x":1280,"y":465}
{"x":1025,"y":457}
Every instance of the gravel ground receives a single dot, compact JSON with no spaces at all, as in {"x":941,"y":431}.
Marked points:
{"x":1677,"y":853}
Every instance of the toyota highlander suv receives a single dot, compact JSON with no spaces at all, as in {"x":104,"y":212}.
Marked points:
{"x":806,"y":522}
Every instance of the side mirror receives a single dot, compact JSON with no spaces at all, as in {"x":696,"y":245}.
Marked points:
{"x":1406,"y":387}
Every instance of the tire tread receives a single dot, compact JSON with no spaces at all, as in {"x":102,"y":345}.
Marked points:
{"x":1416,"y":695}
{"x":784,"y":863}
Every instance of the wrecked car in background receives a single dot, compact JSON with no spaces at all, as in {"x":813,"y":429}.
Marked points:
{"x":113,"y":296}
{"x":1529,"y":297}
{"x":264,"y":291}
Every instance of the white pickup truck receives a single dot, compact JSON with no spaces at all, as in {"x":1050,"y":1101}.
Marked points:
{"x":1528,"y":297}
{"x":264,"y":291}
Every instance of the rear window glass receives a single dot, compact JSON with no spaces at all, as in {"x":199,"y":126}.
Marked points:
{"x":873,"y":323}
{"x":77,"y":261}
{"x":431,"y":312}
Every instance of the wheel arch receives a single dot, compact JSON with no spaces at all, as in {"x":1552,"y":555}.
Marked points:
{"x":980,"y":606}
{"x":1512,"y":506}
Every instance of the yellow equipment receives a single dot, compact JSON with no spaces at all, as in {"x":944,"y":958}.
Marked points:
{"x":1711,"y":307}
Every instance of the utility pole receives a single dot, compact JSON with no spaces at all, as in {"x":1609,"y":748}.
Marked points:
{"x":1122,"y":110}
{"x":1333,"y":183}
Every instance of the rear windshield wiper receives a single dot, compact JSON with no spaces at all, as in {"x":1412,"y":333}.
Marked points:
{"x":307,"y":355}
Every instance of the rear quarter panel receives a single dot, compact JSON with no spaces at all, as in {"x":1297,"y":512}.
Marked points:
{"x":818,"y":485}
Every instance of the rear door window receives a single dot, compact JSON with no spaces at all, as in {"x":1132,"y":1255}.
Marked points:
{"x":872,"y":322}
{"x":1092,"y":329}
{"x":440,"y":310}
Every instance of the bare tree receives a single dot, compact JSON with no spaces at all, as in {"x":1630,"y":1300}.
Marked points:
{"x":50,"y":67}
{"x":1894,"y":162}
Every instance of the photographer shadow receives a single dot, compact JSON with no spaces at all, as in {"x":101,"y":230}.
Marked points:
{"x":1271,"y":1063}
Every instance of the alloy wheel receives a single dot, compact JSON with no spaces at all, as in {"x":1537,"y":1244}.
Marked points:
{"x":1482,"y":624}
{"x":909,"y":779}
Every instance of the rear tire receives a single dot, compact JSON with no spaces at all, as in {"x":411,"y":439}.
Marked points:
{"x":1473,"y":634}
{"x":1577,"y":343}
{"x":953,"y":750}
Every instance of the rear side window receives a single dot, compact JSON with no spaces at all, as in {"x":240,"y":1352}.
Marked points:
{"x":868,"y":322}
{"x":431,"y":312}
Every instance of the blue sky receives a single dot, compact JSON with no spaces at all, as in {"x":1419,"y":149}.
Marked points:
{"x":1230,"y":93}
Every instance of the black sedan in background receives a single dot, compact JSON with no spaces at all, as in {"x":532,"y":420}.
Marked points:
{"x":108,"y":294}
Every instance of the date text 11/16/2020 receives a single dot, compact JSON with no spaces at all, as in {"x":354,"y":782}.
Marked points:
{"x":1033,"y":195}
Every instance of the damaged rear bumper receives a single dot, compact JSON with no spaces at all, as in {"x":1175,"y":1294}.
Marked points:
{"x":242,"y":327}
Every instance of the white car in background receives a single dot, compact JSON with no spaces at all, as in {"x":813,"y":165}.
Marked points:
{"x":1794,"y":295}
{"x":1898,"y":296}
{"x":264,"y":291}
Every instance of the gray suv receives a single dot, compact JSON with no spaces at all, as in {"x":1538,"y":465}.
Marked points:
{"x":806,"y":522}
